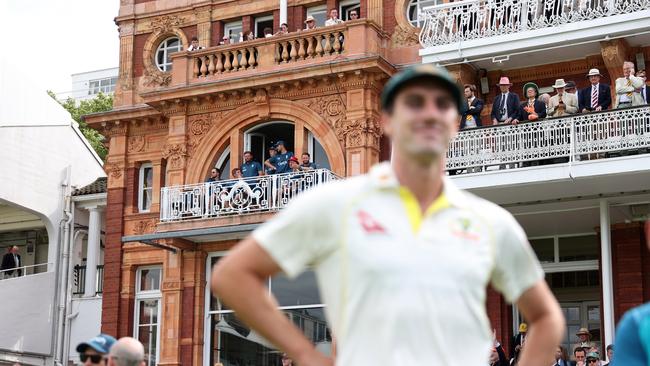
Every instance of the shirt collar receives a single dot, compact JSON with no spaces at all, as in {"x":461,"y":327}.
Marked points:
{"x":382,"y":176}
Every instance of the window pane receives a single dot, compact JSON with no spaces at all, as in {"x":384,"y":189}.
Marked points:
{"x":215,"y":304}
{"x":579,"y":248}
{"x":150,"y":279}
{"x":148,"y":177}
{"x":233,"y":343}
{"x":146,"y":203}
{"x":544,"y":249}
{"x":301,"y":291}
{"x":148,"y":336}
{"x":313,"y":325}
{"x":148,"y":311}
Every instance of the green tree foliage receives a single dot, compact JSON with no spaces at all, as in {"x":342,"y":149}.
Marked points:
{"x":101,"y":103}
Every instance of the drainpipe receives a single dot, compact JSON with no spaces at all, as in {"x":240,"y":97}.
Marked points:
{"x":62,"y":266}
{"x":68,"y":313}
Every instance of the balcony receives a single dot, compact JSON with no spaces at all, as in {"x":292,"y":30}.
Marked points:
{"x":574,"y":156}
{"x":472,"y":29}
{"x":346,"y":47}
{"x":234,"y":197}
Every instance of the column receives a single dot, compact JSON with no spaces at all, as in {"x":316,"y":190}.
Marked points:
{"x":283,"y":11}
{"x":92,"y":253}
{"x":606,"y":270}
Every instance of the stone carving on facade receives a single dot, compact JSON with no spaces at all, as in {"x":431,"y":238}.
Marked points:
{"x":405,"y":36}
{"x":113,"y":170}
{"x":199,"y":125}
{"x":144,"y":227}
{"x":359,"y":132}
{"x":136,"y":144}
{"x":154,"y":78}
{"x":166,"y":23}
{"x":175,"y":155}
{"x":329,"y":107}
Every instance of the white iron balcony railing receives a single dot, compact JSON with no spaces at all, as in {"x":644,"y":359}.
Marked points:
{"x":473,"y":19}
{"x":571,"y":138}
{"x":237,"y":196}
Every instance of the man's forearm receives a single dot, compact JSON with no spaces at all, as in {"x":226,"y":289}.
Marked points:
{"x":247,"y":294}
{"x":544,"y":336}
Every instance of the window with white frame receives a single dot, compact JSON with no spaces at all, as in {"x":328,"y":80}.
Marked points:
{"x":345,"y":7}
{"x":233,"y":30}
{"x":415,"y":7}
{"x":145,"y":187}
{"x":106,"y":85}
{"x":147,"y":312}
{"x":554,"y":250}
{"x":230,"y":342}
{"x":261,"y":23}
{"x":319,"y":13}
{"x":164,"y":51}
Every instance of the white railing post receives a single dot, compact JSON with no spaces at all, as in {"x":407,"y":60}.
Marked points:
{"x":572,"y":141}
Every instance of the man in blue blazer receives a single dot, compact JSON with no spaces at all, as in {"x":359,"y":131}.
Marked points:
{"x":472,"y":115}
{"x":506,"y":104}
{"x":597,"y":96}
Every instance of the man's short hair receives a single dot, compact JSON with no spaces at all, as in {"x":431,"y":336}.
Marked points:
{"x":471,"y":87}
{"x":217,"y":169}
{"x":248,"y":152}
{"x":628,"y":63}
{"x":306,"y":153}
{"x":268,"y":30}
{"x":285,"y":24}
{"x":195,"y":39}
{"x":579,"y":349}
{"x":640,"y":71}
{"x":235,"y":170}
{"x":610,"y":347}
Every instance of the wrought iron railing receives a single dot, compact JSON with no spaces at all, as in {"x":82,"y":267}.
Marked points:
{"x":578,"y":137}
{"x":473,"y":19}
{"x":79,"y":279}
{"x":237,"y":196}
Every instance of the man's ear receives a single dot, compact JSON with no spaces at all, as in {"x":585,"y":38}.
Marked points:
{"x":385,"y":124}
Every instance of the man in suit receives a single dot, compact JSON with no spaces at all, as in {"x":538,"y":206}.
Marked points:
{"x":472,"y":116}
{"x":645,"y":90}
{"x":506,"y":104}
{"x":628,"y":88}
{"x":10,"y":261}
{"x":562,"y":103}
{"x":596,"y":97}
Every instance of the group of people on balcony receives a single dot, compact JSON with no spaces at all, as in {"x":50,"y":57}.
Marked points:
{"x":507,"y":108}
{"x":310,"y":23}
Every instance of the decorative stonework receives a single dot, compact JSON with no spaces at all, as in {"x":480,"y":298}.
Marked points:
{"x":113,"y":170}
{"x":329,"y":107}
{"x":199,"y":125}
{"x":175,"y":155}
{"x":155,"y":77}
{"x":110,"y":129}
{"x":359,"y":132}
{"x":144,"y":227}
{"x":136,"y":144}
{"x":405,"y":36}
{"x":166,"y":23}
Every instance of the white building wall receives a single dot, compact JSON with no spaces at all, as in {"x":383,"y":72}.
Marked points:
{"x":80,"y":89}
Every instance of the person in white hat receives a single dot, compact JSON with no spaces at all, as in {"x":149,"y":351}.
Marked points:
{"x":628,"y":88}
{"x":562,"y":103}
{"x":597,"y":96}
{"x":310,"y":23}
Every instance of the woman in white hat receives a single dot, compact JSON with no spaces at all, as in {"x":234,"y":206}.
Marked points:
{"x":310,"y":23}
{"x":561,"y":103}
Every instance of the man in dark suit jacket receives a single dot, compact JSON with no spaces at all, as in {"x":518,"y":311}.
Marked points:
{"x":472,"y":115}
{"x":597,"y":96}
{"x":10,"y":261}
{"x":506,"y":104}
{"x":645,"y":91}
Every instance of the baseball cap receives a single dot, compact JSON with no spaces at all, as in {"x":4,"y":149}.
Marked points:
{"x":102,"y":344}
{"x":280,"y":142}
{"x":593,"y":355}
{"x":424,"y":71}
{"x":293,"y":158}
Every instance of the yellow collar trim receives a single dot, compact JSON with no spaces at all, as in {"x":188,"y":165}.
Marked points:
{"x":413,"y":210}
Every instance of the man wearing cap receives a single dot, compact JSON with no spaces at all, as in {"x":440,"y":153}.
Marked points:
{"x":310,"y":23}
{"x":506,"y":104}
{"x":280,"y":161}
{"x":562,"y":103}
{"x":402,"y":256}
{"x":628,"y":88}
{"x":597,"y":96}
{"x":95,"y":351}
{"x":593,"y":359}
{"x":584,"y":339}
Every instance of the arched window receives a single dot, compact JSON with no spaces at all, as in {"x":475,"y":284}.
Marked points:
{"x":164,"y":51}
{"x":414,"y":7}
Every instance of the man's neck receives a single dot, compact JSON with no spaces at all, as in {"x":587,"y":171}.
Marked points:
{"x":423,"y":179}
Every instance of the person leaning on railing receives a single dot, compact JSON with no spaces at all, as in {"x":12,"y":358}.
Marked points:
{"x":562,"y":103}
{"x":597,"y":96}
{"x":531,"y":109}
{"x":333,"y":19}
{"x":628,"y":88}
{"x":284,"y":29}
{"x":11,"y":263}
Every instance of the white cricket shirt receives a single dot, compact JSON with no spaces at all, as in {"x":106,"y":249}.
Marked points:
{"x":402,"y":289}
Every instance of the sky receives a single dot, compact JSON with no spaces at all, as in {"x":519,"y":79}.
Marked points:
{"x":57,"y":38}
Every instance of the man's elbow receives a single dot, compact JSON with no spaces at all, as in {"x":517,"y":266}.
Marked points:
{"x":221,"y":277}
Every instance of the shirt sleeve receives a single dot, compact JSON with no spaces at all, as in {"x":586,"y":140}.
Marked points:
{"x":516,"y":268}
{"x":301,"y":235}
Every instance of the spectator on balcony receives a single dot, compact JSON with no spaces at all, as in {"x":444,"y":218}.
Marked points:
{"x":310,"y":23}
{"x":498,"y":355}
{"x":282,"y":159}
{"x":333,"y":19}
{"x":127,"y":352}
{"x":95,"y":351}
{"x":269,"y":164}
{"x":268,"y":32}
{"x":225,"y":40}
{"x":645,"y":89}
{"x":249,"y":167}
{"x":561,"y":357}
{"x":592,"y":359}
{"x":562,"y":103}
{"x":194,"y":45}
{"x":11,"y":263}
{"x":584,"y":340}
{"x":610,"y":354}
{"x":571,"y":88}
{"x":628,"y":88}
{"x":294,"y":165}
{"x":354,"y":15}
{"x":250,"y":36}
{"x":286,"y":360}
{"x":596,"y":97}
{"x":532,"y":109}
{"x":236,"y":174}
{"x":215,"y":175}
{"x":506,"y":104}
{"x":306,"y":162}
{"x":471,"y":117}
{"x":518,"y":340}
{"x":284,"y":29}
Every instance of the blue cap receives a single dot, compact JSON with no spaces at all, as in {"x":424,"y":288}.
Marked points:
{"x":280,"y":142}
{"x":102,"y":344}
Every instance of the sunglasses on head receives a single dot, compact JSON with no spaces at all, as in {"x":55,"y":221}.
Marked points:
{"x":93,"y":358}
